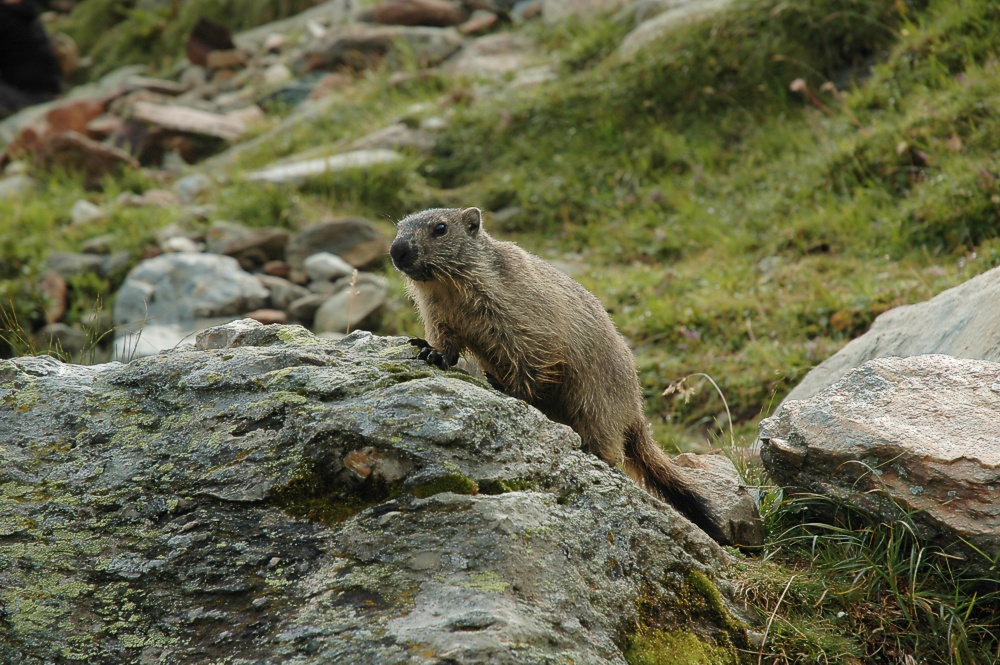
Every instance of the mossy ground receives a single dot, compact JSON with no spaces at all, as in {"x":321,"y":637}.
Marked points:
{"x":730,"y":225}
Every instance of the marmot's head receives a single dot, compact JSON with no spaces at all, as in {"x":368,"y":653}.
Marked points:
{"x":436,"y":243}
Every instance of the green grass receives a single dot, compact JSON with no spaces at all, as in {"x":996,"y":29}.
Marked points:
{"x":860,"y":590}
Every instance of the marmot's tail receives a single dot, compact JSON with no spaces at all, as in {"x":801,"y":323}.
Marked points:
{"x":662,"y":478}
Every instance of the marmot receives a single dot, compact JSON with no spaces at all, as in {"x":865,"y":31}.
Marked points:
{"x":539,"y":336}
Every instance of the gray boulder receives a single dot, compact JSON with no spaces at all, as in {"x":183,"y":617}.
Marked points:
{"x":166,"y":299}
{"x":266,"y":496}
{"x":963,"y":322}
{"x":902,"y":438}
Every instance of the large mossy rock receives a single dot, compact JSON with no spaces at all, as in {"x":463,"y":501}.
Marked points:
{"x":265,"y":496}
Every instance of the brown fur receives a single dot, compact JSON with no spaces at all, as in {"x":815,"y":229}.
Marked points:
{"x":543,"y":337}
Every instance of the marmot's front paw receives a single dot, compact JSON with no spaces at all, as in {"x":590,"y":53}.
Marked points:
{"x":495,"y":383}
{"x":419,"y":342}
{"x":434,"y":357}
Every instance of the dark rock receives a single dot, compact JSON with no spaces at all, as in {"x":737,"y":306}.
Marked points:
{"x":54,"y":289}
{"x":75,"y":152}
{"x":276,"y":268}
{"x":206,"y":37}
{"x":354,"y":239}
{"x":71,"y":264}
{"x":913,"y":439}
{"x":304,"y":309}
{"x":435,"y":13}
{"x":283,"y":292}
{"x":251,"y":247}
{"x":265,"y":496}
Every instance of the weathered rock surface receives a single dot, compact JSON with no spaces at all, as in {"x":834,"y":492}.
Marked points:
{"x":963,"y":321}
{"x":266,"y":496}
{"x":915,"y":438}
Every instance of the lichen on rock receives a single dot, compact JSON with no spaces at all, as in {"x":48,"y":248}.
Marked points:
{"x":267,"y":495}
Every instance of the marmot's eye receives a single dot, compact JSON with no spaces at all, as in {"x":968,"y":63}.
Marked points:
{"x":439,"y":229}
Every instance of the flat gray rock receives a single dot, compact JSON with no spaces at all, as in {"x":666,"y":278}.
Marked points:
{"x":901,"y":438}
{"x":963,"y":322}
{"x":297,"y":173}
{"x":268,"y":497}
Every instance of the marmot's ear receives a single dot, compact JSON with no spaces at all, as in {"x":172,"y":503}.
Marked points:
{"x":473,"y":220}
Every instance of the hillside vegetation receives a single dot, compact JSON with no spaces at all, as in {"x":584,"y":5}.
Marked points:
{"x":744,"y":197}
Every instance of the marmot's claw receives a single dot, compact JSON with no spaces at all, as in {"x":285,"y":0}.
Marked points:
{"x":433,"y":357}
{"x":492,"y":380}
{"x":419,"y":342}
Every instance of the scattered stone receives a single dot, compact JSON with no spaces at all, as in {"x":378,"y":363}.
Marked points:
{"x":268,"y":316}
{"x":283,"y":293}
{"x":15,"y":186}
{"x":194,"y":76}
{"x":83,"y":211}
{"x":354,"y":239}
{"x":734,"y":510}
{"x":75,"y":152}
{"x":963,"y":321}
{"x":64,"y":116}
{"x":178,"y":244}
{"x":526,"y":10}
{"x":534,"y":76}
{"x":98,"y":244}
{"x":276,"y":268}
{"x":189,"y":188}
{"x":180,"y":291}
{"x":647,"y":33}
{"x":304,"y":309}
{"x":61,"y":337}
{"x":914,"y":439}
{"x":481,"y":21}
{"x":556,"y":11}
{"x":71,"y":264}
{"x":298,"y":173}
{"x":436,"y":13}
{"x":277,"y":74}
{"x":157,"y":85}
{"x":229,"y":59}
{"x":275,"y":42}
{"x":103,"y":126}
{"x":206,"y":37}
{"x":361,"y":47}
{"x":190,"y":120}
{"x":357,"y":307}
{"x":398,"y":136}
{"x":326,"y":267}
{"x":493,"y":55}
{"x":54,"y":290}
{"x":251,"y":247}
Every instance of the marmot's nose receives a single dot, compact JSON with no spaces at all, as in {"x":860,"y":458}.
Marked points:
{"x":401,"y":254}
